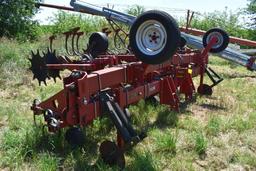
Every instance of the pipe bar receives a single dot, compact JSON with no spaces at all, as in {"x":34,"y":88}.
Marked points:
{"x":236,"y":40}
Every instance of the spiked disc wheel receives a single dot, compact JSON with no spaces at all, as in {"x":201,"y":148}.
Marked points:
{"x":51,"y":58}
{"x":38,"y":67}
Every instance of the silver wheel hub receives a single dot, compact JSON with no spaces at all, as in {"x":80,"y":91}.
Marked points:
{"x":219,"y":37}
{"x":151,"y":37}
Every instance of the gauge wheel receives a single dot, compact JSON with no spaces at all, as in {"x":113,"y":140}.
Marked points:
{"x":98,"y":43}
{"x":222,"y":39}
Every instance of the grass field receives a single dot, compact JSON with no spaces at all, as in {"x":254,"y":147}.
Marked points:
{"x":211,"y":133}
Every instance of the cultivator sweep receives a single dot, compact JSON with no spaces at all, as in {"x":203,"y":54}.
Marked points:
{"x":155,"y":62}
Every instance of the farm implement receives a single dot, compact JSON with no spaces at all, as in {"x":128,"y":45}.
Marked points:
{"x":154,"y":62}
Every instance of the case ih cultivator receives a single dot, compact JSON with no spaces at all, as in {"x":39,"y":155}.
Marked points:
{"x":157,"y":62}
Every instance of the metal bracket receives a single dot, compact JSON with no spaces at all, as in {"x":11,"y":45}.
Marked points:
{"x":120,"y":120}
{"x":215,"y":78}
{"x":250,"y":63}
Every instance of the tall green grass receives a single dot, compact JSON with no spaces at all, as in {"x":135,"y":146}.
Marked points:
{"x":221,"y":128}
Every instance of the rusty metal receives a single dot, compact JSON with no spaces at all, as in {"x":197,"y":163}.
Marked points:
{"x":190,"y":15}
{"x":55,"y":7}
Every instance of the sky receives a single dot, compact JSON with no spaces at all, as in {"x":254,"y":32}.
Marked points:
{"x":167,"y":5}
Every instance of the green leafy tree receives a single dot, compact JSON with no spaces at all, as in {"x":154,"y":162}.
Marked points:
{"x":16,"y":19}
{"x":252,"y":10}
{"x":64,"y":21}
{"x":226,"y":20}
{"x":136,"y":10}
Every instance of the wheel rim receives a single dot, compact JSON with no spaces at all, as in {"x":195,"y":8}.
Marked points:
{"x":219,"y":42}
{"x":151,"y":37}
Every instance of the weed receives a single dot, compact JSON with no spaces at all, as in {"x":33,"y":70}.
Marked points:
{"x":47,"y":162}
{"x":200,"y":143}
{"x":241,"y":124}
{"x":25,"y":147}
{"x":143,"y":162}
{"x":167,"y":118}
{"x":166,"y":143}
{"x":138,"y":113}
{"x":181,"y":163}
{"x":213,"y":126}
{"x":190,"y":124}
{"x":244,"y":158}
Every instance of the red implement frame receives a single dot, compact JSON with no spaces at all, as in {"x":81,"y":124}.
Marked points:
{"x":79,"y":104}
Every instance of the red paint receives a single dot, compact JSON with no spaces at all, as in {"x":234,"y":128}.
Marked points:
{"x":78,"y":103}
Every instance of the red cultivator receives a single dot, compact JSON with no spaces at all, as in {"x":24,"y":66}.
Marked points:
{"x":102,"y":82}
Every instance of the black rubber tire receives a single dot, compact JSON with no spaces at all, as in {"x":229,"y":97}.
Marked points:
{"x":98,"y":41}
{"x":224,"y":35}
{"x":173,"y":37}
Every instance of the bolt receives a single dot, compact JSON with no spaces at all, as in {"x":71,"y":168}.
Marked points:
{"x":36,"y":102}
{"x":72,"y":87}
{"x":85,"y":102}
{"x":76,"y":74}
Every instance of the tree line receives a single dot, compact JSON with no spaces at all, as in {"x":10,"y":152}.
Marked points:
{"x":17,"y":22}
